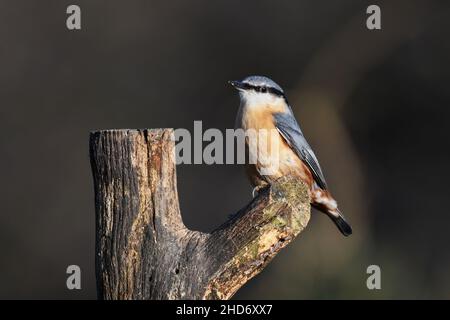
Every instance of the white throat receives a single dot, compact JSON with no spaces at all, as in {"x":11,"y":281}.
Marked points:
{"x":253,"y":99}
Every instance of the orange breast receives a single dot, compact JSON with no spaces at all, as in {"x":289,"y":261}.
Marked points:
{"x":273,"y":151}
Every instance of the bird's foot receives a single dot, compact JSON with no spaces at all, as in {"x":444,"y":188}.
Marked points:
{"x":257,"y":190}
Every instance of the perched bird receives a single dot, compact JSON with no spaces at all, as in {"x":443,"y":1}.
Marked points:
{"x":264,"y":107}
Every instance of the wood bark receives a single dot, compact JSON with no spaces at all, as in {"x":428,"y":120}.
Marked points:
{"x":143,"y":249}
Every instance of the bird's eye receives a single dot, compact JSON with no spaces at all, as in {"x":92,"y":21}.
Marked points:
{"x":263,"y":89}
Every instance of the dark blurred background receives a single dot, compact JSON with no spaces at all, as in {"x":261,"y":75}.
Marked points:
{"x":373,"y":104}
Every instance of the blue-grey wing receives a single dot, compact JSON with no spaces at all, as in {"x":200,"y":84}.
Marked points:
{"x":289,"y":129}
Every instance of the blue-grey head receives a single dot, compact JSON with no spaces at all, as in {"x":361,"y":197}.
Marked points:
{"x":259,"y":90}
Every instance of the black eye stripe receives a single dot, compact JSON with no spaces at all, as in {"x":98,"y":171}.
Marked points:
{"x":264,"y":89}
{"x":246,"y":86}
{"x":276,"y":92}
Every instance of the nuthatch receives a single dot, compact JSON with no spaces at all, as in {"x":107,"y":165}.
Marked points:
{"x":264,"y":107}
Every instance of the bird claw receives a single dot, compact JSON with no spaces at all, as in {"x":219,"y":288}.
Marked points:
{"x":256,"y":190}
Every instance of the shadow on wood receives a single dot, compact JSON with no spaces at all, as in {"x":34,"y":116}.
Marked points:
{"x":143,"y":249}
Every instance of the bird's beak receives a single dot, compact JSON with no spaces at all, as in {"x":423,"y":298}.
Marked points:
{"x":239,"y":85}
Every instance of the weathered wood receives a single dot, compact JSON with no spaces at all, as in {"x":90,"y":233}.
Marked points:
{"x":143,"y":249}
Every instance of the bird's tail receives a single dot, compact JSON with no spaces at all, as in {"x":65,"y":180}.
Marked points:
{"x":323,"y":201}
{"x":339,"y":220}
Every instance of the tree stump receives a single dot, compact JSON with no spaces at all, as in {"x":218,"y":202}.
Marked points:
{"x":143,"y":249}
